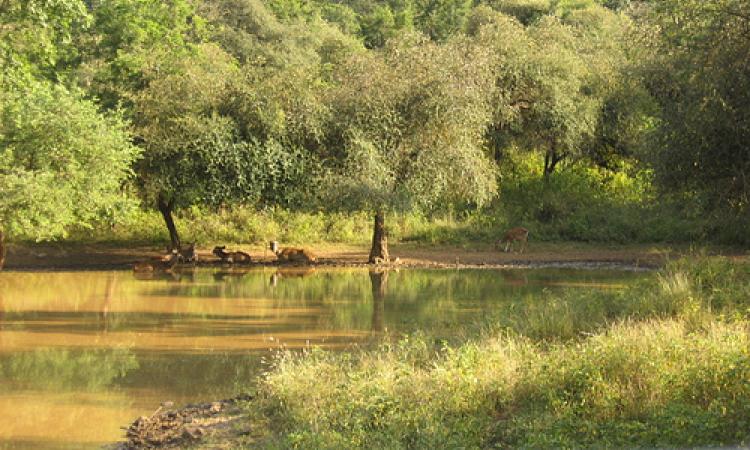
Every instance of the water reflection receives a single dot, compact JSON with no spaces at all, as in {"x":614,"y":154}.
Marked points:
{"x":107,"y":346}
{"x":379,"y":283}
{"x":290,"y":272}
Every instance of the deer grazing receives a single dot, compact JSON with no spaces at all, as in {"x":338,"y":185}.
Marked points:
{"x":520,"y":234}
{"x":288,"y":254}
{"x":231,"y":257}
{"x":163,"y":264}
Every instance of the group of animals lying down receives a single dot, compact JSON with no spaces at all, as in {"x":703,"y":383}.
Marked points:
{"x":189,"y":255}
{"x":286,"y":254}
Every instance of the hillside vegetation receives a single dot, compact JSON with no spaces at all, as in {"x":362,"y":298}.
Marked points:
{"x":587,"y":120}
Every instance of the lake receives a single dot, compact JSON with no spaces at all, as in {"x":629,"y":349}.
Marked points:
{"x":85,"y":353}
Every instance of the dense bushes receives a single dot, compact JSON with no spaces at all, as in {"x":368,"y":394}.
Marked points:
{"x":578,"y":203}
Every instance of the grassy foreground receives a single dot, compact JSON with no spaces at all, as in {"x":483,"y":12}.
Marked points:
{"x":663,"y":363}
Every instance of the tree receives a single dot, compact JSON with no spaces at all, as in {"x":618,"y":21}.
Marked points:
{"x":526,"y":11}
{"x":191,"y":152}
{"x":407,"y":130}
{"x":698,"y":73}
{"x":62,"y":163}
{"x":625,"y":109}
{"x":383,"y":22}
{"x":553,"y":78}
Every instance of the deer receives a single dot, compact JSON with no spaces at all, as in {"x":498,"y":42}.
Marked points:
{"x":163,"y":264}
{"x":514,"y":234}
{"x":186,"y":253}
{"x":289,"y":254}
{"x":231,"y":257}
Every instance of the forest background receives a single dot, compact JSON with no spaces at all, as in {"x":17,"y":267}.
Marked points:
{"x":447,"y":121}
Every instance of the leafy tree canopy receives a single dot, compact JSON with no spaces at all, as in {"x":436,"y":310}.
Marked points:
{"x":698,"y":73}
{"x":409,"y":123}
{"x":36,"y":38}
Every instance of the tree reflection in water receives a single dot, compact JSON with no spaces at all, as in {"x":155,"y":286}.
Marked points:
{"x":379,"y":283}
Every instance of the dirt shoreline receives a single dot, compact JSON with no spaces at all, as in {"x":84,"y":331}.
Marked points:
{"x":68,"y":256}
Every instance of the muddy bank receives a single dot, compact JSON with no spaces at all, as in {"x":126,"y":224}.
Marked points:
{"x":104,"y":257}
{"x":187,"y":426}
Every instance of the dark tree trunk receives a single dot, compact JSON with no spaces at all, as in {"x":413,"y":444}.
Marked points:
{"x":379,"y":239}
{"x":165,"y":208}
{"x":551,"y":158}
{"x":2,"y":249}
{"x":379,"y":282}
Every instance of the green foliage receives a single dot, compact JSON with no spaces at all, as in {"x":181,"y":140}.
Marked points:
{"x":696,"y":73}
{"x":526,"y":11}
{"x":556,"y":84}
{"x":196,"y":155}
{"x":181,"y":131}
{"x":123,"y":38}
{"x":241,"y":225}
{"x":408,"y":134}
{"x":62,"y":163}
{"x":403,"y":104}
{"x":441,"y":19}
{"x":36,"y":38}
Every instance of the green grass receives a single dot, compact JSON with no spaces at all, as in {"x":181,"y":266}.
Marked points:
{"x":664,"y":363}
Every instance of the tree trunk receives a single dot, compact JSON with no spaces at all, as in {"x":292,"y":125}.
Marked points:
{"x":551,"y":158}
{"x":379,"y":239}
{"x":379,"y":281}
{"x":2,"y":249}
{"x":166,"y":207}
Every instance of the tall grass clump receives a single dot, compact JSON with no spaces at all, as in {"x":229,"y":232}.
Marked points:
{"x":405,"y":395}
{"x":650,"y":384}
{"x":695,"y":289}
{"x":664,"y":363}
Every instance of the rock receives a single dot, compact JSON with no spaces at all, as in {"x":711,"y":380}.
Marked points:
{"x":193,"y":433}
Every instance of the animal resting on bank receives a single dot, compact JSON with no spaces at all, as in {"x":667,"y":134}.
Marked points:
{"x":185,"y":253}
{"x":163,"y":264}
{"x":231,"y":257}
{"x":188,"y":254}
{"x":520,"y":234}
{"x":289,"y":254}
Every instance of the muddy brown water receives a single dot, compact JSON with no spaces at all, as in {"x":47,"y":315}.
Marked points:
{"x":84,"y":353}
